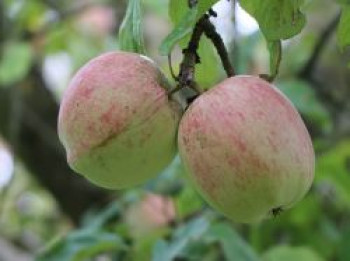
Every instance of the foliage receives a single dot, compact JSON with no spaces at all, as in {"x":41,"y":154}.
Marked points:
{"x":130,"y":32}
{"x":316,"y":229}
{"x":343,"y":32}
{"x":277,"y":19}
{"x":16,"y":63}
{"x":289,"y":253}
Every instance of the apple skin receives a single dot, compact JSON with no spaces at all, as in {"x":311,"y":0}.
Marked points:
{"x":116,"y":122}
{"x":246,"y":149}
{"x":151,"y":213}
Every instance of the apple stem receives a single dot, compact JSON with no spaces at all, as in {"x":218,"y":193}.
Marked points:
{"x":210,"y":32}
{"x":186,"y":77}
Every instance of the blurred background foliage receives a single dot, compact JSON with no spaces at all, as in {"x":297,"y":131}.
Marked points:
{"x":49,"y":213}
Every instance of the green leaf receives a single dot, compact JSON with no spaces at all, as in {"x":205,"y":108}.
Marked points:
{"x":305,"y":100}
{"x":81,"y":245}
{"x":234,"y":247}
{"x":275,"y":49}
{"x":296,"y":54}
{"x":207,"y":71}
{"x":160,"y":8}
{"x":164,"y":251}
{"x":204,"y":6}
{"x":28,"y":15}
{"x":131,"y":33}
{"x":343,"y":31}
{"x":343,"y":2}
{"x":344,"y":246}
{"x":143,"y":247}
{"x":188,"y":202}
{"x":180,"y":31}
{"x":333,"y":168}
{"x":306,"y":212}
{"x":15,"y":63}
{"x":193,"y":230}
{"x":160,"y":252}
{"x":278,"y":19}
{"x":184,"y":19}
{"x":287,"y":253}
{"x":96,"y":220}
{"x":178,"y":8}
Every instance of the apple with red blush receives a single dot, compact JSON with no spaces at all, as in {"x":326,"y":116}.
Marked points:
{"x":246,"y":149}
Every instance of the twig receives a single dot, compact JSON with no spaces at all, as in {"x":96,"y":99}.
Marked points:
{"x":306,"y":73}
{"x":210,"y":32}
{"x":2,"y":21}
{"x":2,"y":28}
{"x":310,"y":65}
{"x":187,"y":67}
{"x":186,"y":76}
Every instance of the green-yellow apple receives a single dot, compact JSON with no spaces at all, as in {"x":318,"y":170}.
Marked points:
{"x":116,"y":121}
{"x":246,"y":149}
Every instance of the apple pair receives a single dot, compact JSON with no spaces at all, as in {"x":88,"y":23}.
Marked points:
{"x":243,"y":143}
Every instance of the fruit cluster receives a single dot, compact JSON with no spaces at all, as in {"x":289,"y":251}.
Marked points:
{"x":245,"y":146}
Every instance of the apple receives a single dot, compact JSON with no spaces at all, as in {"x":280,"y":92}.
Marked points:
{"x":116,"y":121}
{"x":151,"y":213}
{"x":97,"y":20}
{"x":246,"y":149}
